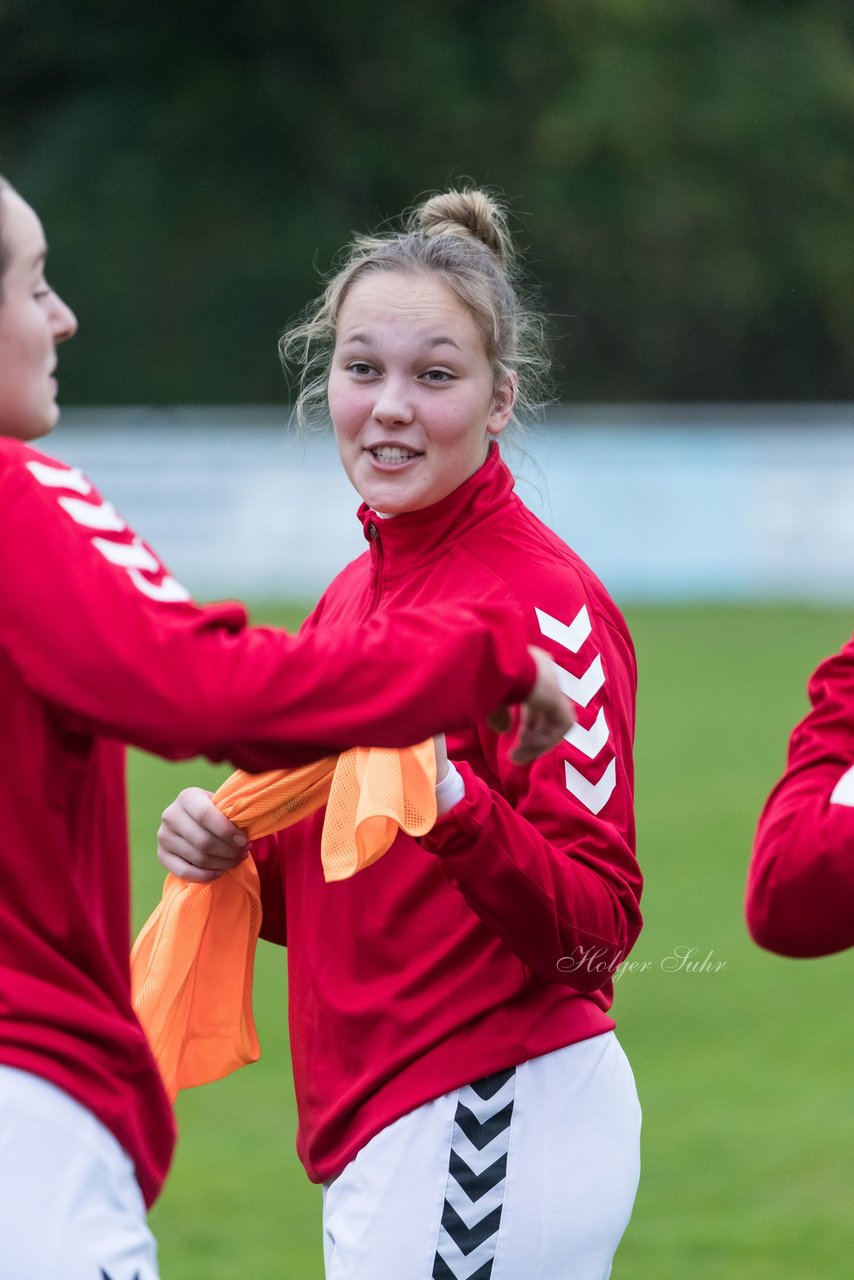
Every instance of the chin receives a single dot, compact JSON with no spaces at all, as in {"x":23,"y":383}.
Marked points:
{"x":48,"y":422}
{"x":41,"y":429}
{"x":26,"y":431}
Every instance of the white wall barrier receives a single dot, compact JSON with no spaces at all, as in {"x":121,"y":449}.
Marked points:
{"x":666,"y":503}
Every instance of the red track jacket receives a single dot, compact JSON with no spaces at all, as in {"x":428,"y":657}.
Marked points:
{"x":800,"y":889}
{"x":493,"y":939}
{"x":99,"y":645}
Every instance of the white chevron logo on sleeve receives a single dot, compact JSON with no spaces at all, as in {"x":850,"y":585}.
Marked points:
{"x":843,"y":792}
{"x":581,"y":688}
{"x":127,"y":555}
{"x":168,"y":590}
{"x":59,"y":477}
{"x":593,"y":795}
{"x":102,"y":515}
{"x":571,"y":637}
{"x":133,"y":557}
{"x":589,"y":741}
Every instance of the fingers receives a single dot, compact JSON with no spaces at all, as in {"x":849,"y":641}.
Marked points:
{"x":500,"y":720}
{"x":195,"y":841}
{"x":537,"y":734}
{"x":545,"y":717}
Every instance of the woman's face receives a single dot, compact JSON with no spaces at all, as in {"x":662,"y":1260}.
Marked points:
{"x":412,"y":394}
{"x":33,"y":320}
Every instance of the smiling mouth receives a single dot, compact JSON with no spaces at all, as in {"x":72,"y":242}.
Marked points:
{"x":393,"y":454}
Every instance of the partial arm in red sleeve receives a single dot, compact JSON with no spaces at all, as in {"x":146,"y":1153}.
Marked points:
{"x":547,"y":858}
{"x":96,"y":625}
{"x":800,"y":888}
{"x":270,"y":862}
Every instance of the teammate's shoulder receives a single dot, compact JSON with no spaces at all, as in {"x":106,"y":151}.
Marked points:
{"x":16,"y":457}
{"x":28,"y":471}
{"x":13,"y":452}
{"x":16,"y":452}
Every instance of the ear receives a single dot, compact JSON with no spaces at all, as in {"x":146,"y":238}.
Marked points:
{"x":503,"y":400}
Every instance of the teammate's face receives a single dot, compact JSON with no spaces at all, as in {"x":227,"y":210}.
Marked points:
{"x":412,"y":394}
{"x":33,"y":320}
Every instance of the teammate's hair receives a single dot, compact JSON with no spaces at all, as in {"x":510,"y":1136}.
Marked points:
{"x":5,"y":255}
{"x":462,"y":237}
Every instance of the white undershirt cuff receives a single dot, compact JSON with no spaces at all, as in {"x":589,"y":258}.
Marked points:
{"x":450,"y":791}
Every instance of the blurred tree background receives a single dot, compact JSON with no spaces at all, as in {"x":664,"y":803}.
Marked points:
{"x":681,"y":176}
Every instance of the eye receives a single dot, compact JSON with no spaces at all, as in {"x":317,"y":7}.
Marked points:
{"x":438,"y":376}
{"x":360,"y":368}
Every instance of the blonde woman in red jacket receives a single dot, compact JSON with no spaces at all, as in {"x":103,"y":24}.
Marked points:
{"x":101,"y":646}
{"x":462,"y":1097}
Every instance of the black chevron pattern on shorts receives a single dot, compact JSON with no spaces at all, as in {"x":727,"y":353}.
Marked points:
{"x":468,"y":1238}
{"x":489,"y":1085}
{"x":477,"y":1170}
{"x":474,"y":1184}
{"x":441,"y":1271}
{"x":480,"y":1135}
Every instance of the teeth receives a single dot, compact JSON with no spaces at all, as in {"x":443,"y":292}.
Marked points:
{"x":391,"y":453}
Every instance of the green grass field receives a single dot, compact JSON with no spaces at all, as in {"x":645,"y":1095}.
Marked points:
{"x":744,"y":1071}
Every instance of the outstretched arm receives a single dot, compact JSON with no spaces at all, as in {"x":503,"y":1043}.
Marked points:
{"x":197,"y":842}
{"x":98,"y":627}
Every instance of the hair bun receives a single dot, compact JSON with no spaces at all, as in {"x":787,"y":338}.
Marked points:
{"x":466,"y":213}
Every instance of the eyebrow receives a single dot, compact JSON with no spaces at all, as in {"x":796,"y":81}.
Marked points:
{"x":367,"y":340}
{"x":39,"y":259}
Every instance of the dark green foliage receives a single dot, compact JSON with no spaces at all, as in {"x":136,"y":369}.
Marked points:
{"x":682,"y":173}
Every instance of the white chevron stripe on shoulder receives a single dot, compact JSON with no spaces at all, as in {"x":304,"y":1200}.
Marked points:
{"x":582,"y":688}
{"x":590,"y":741}
{"x":100,"y":515}
{"x":59,"y":477}
{"x":127,"y":555}
{"x":843,"y":792}
{"x":136,"y":559}
{"x":571,"y":637}
{"x":168,"y":590}
{"x":594,"y":796}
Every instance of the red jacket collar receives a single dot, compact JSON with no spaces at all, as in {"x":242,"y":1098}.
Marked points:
{"x":424,"y":534}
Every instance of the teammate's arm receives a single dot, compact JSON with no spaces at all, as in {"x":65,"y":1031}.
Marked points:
{"x":97,"y":626}
{"x":800,"y":887}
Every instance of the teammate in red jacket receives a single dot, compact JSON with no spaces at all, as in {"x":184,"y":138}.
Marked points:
{"x":800,"y":889}
{"x":101,"y":646}
{"x":461,"y":1094}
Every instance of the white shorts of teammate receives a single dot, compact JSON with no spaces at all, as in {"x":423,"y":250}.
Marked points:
{"x":70,"y":1204}
{"x":529,"y":1174}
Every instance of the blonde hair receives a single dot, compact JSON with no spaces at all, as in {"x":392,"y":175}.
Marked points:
{"x":5,"y":255}
{"x":462,"y":237}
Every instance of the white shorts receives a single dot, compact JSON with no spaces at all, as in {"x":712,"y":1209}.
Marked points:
{"x":70,"y":1204}
{"x":531,"y":1172}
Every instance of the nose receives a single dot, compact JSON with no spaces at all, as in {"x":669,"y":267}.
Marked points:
{"x":63,"y":320}
{"x":393,"y":403}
